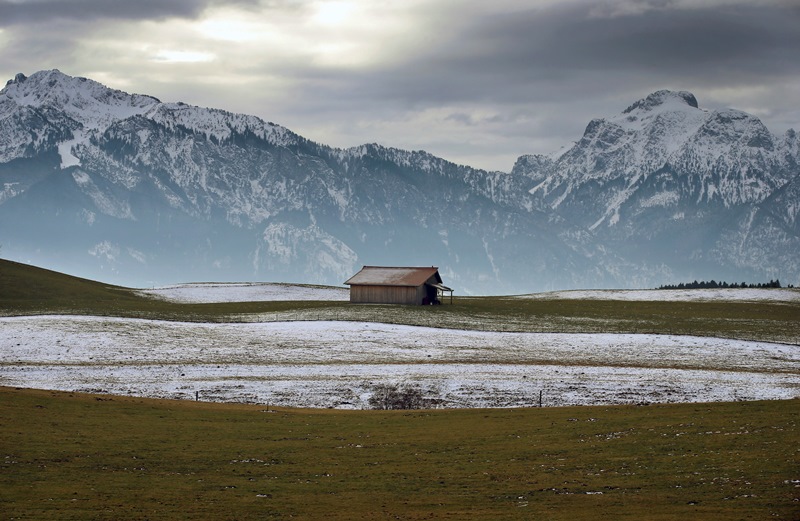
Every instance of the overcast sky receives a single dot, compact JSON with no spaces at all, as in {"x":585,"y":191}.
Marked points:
{"x":476,"y":82}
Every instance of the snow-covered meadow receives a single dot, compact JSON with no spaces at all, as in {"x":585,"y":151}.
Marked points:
{"x":212,"y":292}
{"x":337,"y":364}
{"x":676,"y":295}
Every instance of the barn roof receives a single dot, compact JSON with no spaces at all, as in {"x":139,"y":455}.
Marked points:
{"x":393,"y":276}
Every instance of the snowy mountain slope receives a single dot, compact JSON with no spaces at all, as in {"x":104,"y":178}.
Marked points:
{"x":666,"y":179}
{"x":128,"y":189}
{"x":725,"y":157}
{"x":768,"y":235}
{"x":143,"y":191}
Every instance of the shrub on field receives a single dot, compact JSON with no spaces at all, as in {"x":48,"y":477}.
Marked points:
{"x":391,"y":396}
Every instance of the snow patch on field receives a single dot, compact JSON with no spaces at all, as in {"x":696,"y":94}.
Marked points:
{"x":676,"y":295}
{"x":336,"y":364}
{"x":245,"y":292}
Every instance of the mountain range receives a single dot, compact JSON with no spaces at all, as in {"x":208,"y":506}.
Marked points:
{"x":127,"y":189}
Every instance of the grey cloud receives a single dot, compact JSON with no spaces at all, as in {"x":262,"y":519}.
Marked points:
{"x":472,"y":121}
{"x":565,"y":66}
{"x":38,"y":11}
{"x":534,"y":78}
{"x":504,"y":57}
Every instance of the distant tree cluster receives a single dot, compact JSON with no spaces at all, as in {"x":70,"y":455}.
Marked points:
{"x":712,"y":284}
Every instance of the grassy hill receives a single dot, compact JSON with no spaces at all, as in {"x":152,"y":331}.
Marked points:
{"x":25,"y":289}
{"x":74,"y":456}
{"x":29,"y":290}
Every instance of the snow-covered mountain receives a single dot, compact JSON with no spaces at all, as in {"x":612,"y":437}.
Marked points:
{"x":704,"y":193}
{"x":727,"y":157}
{"x":128,"y":189}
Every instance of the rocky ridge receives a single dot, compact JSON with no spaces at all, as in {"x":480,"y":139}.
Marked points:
{"x":129,"y":189}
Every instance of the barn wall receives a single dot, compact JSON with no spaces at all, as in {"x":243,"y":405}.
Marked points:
{"x":387,"y":294}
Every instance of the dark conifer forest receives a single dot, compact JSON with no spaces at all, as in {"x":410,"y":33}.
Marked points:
{"x":712,"y":284}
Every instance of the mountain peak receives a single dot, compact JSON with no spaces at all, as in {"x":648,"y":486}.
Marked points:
{"x":49,"y":78}
{"x":88,"y":102}
{"x":661,"y":98}
{"x":19,"y":78}
{"x":49,"y":85}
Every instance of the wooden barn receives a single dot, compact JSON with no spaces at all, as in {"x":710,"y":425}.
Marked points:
{"x":397,"y":285}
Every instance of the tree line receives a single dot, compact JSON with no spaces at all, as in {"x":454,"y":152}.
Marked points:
{"x":712,"y":284}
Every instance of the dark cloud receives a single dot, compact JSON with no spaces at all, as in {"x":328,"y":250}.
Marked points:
{"x":564,"y":65}
{"x":40,"y":11}
{"x":502,"y":57}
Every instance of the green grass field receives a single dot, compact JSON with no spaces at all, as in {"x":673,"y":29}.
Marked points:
{"x":83,"y":457}
{"x":26,"y":290}
{"x":70,"y":456}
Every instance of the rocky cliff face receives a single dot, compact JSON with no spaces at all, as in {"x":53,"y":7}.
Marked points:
{"x":128,"y":189}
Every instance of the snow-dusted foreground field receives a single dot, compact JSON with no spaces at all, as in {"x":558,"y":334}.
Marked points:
{"x":337,"y":364}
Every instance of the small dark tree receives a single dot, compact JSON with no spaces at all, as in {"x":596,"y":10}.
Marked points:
{"x":392,"y":397}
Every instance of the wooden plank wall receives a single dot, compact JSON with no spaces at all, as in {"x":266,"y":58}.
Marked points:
{"x":387,"y":294}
